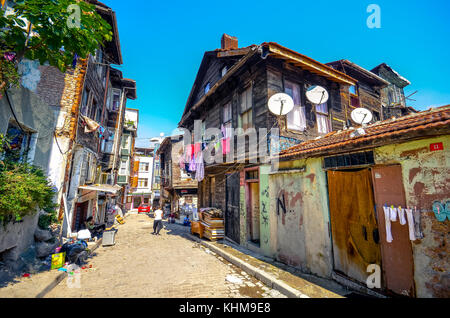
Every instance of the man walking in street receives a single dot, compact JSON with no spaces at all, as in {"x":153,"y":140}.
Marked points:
{"x":157,"y":224}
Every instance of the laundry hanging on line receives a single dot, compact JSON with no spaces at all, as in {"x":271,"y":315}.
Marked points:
{"x":390,"y":215}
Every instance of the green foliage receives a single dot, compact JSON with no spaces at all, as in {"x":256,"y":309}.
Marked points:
{"x":23,"y":188}
{"x":45,"y":220}
{"x":52,"y":39}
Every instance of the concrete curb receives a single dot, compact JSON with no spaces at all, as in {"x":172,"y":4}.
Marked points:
{"x":58,"y":279}
{"x":266,"y":278}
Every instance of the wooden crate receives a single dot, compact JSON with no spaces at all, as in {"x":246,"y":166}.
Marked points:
{"x":197,"y":227}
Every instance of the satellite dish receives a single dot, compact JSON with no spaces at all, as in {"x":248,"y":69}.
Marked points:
{"x":280,"y":104}
{"x":317,"y":94}
{"x":361,"y":116}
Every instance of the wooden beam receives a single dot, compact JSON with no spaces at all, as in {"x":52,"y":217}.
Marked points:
{"x":310,"y":64}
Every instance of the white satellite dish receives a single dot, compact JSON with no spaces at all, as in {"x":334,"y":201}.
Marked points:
{"x":280,"y":104}
{"x":317,"y":94}
{"x":361,"y":116}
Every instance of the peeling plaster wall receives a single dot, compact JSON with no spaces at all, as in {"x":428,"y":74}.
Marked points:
{"x":426,"y":178}
{"x":300,"y":236}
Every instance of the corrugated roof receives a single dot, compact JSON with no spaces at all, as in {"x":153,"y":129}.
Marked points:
{"x":432,"y":118}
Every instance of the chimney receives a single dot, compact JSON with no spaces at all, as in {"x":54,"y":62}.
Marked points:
{"x":229,"y":42}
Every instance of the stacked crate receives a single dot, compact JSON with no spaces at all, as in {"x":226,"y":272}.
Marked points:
{"x":214,"y":227}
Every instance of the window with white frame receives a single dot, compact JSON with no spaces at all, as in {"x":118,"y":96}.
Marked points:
{"x":323,"y":119}
{"x":142,"y":183}
{"x":143,"y":166}
{"x":295,"y":119}
{"x":116,"y":99}
{"x":123,"y":167}
{"x":125,"y":141}
{"x":246,"y":112}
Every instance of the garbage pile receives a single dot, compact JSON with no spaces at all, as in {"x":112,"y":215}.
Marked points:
{"x":212,"y":212}
{"x":75,"y":251}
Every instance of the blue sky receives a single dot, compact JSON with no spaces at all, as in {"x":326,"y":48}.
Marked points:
{"x":163,"y":44}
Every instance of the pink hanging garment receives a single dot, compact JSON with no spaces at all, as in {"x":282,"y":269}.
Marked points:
{"x":409,"y":215}
{"x":387,"y":212}
{"x":225,"y":145}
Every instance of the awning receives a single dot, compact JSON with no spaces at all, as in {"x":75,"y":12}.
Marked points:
{"x":102,"y":188}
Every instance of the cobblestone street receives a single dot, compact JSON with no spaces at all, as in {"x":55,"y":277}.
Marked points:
{"x":169,"y":266}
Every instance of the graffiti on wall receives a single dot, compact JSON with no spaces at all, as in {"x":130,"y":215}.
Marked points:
{"x":281,"y":203}
{"x":441,"y":210}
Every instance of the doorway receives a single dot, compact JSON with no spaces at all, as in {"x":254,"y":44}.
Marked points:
{"x":254,"y":231}
{"x":398,"y":264}
{"x":81,"y":210}
{"x":353,"y":223}
{"x":232,"y":217}
{"x":251,"y":176}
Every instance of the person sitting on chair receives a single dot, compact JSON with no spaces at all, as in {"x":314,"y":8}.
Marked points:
{"x":186,"y":221}
{"x":95,"y":229}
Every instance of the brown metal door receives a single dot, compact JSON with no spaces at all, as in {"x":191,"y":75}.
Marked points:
{"x":353,"y":223}
{"x":232,"y":217}
{"x":397,"y":259}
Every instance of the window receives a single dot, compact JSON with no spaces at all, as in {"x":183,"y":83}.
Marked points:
{"x":354,"y":98}
{"x":227,"y":117}
{"x":98,"y":115}
{"x":142,"y":183}
{"x":22,"y":142}
{"x":252,"y":175}
{"x":116,"y":99}
{"x":246,"y":118}
{"x":123,"y":167}
{"x":143,"y":166}
{"x":109,"y":143}
{"x":295,"y":119}
{"x":207,"y":87}
{"x":125,"y":141}
{"x":146,"y":200}
{"x":323,"y":121}
{"x":348,"y":160}
{"x":85,"y":102}
{"x":129,"y":199}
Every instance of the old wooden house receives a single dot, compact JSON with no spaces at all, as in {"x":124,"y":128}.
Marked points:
{"x":232,"y":89}
{"x":178,"y":189}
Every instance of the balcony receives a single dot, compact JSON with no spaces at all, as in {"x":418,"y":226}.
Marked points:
{"x":130,"y":125}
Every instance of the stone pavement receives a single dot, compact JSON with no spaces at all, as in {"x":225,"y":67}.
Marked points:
{"x":169,"y":266}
